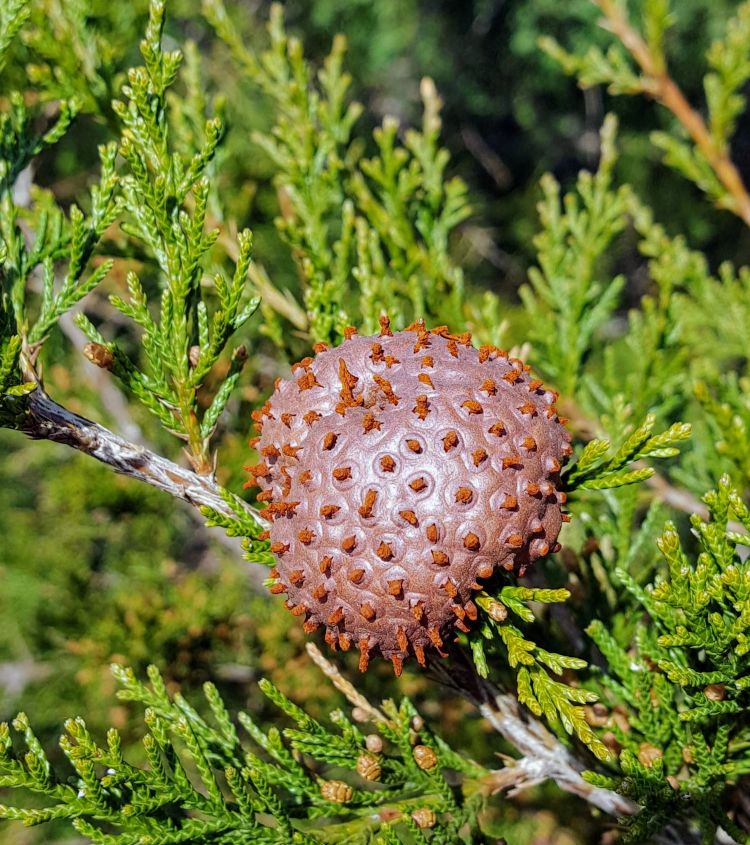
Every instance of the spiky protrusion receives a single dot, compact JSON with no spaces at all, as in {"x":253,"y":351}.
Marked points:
{"x":400,"y":470}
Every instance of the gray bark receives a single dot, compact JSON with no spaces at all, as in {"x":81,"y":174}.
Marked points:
{"x":44,"y":419}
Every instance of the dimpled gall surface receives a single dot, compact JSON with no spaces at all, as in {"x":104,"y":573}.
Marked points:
{"x":400,"y":471}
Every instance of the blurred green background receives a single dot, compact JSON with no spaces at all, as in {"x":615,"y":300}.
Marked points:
{"x":96,"y":569}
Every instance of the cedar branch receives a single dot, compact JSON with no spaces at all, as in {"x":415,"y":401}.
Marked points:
{"x":660,"y":85}
{"x":41,"y":418}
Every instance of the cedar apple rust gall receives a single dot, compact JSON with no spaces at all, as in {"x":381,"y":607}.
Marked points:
{"x":401,"y":471}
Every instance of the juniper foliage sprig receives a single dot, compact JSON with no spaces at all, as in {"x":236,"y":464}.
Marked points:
{"x":727,"y":407}
{"x":596,"y":468}
{"x":68,"y":53}
{"x":13,"y":15}
{"x":691,"y":330}
{"x":680,"y":694}
{"x":649,"y":370}
{"x":711,"y":310}
{"x":46,"y":254}
{"x":560,"y":703}
{"x":619,"y":372}
{"x":410,"y":207}
{"x":572,"y":300}
{"x":243,"y":524}
{"x":638,"y":64}
{"x":568,"y":295}
{"x":367,"y":234}
{"x":308,"y":146}
{"x":631,"y":531}
{"x":39,"y":243}
{"x":202,"y":782}
{"x":165,"y":199}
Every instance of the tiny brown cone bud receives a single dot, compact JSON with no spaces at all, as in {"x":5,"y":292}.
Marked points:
{"x":368,"y":767}
{"x":648,"y":754}
{"x":425,"y":757}
{"x":424,"y":817}
{"x":715,"y":692}
{"x":100,"y":355}
{"x":336,"y":791}
{"x":374,"y":743}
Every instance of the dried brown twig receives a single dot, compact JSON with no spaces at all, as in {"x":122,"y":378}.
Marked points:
{"x":657,"y":83}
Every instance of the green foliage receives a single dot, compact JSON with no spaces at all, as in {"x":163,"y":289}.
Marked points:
{"x":70,"y":51}
{"x":571,"y":302}
{"x":728,"y":417}
{"x":14,"y":16}
{"x":597,"y":469}
{"x":27,"y":319}
{"x":368,"y":234}
{"x":699,"y":156}
{"x":243,"y":524}
{"x":657,"y":338}
{"x":730,"y":69}
{"x":165,"y":197}
{"x":559,"y":702}
{"x":565,"y":291}
{"x":684,"y":685}
{"x":202,"y":783}
{"x":598,"y":67}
